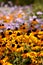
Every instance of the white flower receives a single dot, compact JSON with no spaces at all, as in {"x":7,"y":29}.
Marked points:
{"x":39,"y":13}
{"x":34,"y":17}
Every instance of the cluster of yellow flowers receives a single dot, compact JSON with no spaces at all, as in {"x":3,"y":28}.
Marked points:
{"x":30,"y":43}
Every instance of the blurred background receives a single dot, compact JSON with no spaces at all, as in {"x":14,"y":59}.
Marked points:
{"x":37,"y":4}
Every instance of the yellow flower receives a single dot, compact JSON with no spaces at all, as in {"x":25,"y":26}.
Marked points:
{"x":34,"y":61}
{"x":34,"y":39}
{"x":7,"y":63}
{"x":4,"y":39}
{"x":19,"y":15}
{"x":5,"y":59}
{"x":40,"y":36}
{"x":32,"y":54}
{"x":35,"y":48}
{"x":41,"y":53}
{"x":19,"y":49}
{"x":34,"y":22}
{"x":40,"y":32}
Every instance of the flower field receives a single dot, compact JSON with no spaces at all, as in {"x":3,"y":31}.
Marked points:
{"x":21,"y":46}
{"x":21,"y":34}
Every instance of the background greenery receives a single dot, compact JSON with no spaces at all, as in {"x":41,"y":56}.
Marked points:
{"x":22,"y":2}
{"x":37,"y":4}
